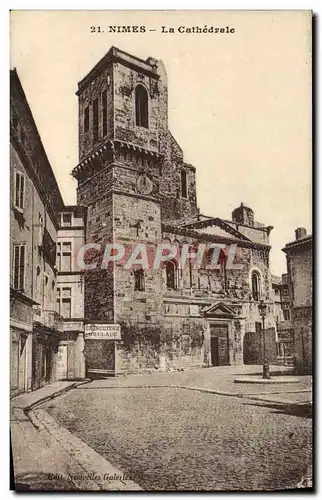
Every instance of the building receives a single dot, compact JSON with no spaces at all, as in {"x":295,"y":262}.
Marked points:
{"x":285,"y":297}
{"x":35,"y":202}
{"x":299,"y":269}
{"x":70,"y":293}
{"x":137,"y":189}
{"x":284,"y":327}
{"x":277,"y":295}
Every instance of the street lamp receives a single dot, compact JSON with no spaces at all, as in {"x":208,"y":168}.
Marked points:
{"x":262,"y":307}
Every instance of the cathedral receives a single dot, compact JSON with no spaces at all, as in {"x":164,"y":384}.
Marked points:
{"x":135,"y":187}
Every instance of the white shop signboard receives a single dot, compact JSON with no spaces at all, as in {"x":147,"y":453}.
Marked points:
{"x":102,"y":331}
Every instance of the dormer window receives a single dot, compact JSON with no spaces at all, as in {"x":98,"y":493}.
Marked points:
{"x":66,"y":220}
{"x":141,"y":107}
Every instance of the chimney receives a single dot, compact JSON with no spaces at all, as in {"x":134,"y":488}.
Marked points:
{"x":300,"y":233}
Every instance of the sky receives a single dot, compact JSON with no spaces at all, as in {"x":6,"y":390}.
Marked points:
{"x":239,"y":103}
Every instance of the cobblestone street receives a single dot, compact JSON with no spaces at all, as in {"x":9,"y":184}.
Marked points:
{"x":175,"y":438}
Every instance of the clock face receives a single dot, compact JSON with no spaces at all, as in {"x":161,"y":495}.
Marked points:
{"x":144,"y":184}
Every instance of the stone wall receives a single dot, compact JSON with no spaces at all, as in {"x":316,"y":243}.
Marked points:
{"x":125,"y":82}
{"x":301,"y":277}
{"x":103,"y":82}
{"x":302,"y":321}
{"x":98,"y":282}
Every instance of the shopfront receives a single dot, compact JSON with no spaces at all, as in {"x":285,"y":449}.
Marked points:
{"x":100,"y":349}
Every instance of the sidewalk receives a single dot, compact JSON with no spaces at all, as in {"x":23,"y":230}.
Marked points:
{"x":47,"y":457}
{"x":48,"y":391}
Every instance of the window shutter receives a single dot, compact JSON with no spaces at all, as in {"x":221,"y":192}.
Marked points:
{"x":17,"y":189}
{"x":22,"y":191}
{"x":16,"y":267}
{"x":22,"y":267}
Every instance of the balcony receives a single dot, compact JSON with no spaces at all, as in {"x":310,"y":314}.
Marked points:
{"x":48,"y":248}
{"x":284,"y":326}
{"x":50,"y":319}
{"x":285,"y":331}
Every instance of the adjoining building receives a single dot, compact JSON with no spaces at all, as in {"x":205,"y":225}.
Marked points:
{"x":70,"y":293}
{"x":284,"y":327}
{"x":137,"y":188}
{"x":35,"y":202}
{"x":299,"y":270}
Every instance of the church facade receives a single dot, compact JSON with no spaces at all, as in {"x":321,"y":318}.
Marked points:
{"x":136,"y":188}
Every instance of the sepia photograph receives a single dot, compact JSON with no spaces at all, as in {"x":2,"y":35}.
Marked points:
{"x":161,"y":250}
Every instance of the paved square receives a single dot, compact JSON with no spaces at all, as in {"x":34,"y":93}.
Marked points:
{"x":172,"y":438}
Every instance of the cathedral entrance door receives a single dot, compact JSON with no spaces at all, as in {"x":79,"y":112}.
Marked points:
{"x":219,"y":345}
{"x":214,"y":351}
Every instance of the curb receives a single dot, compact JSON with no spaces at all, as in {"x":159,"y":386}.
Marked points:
{"x":275,"y":380}
{"x":110,"y":472}
{"x":88,"y":470}
{"x":54,"y":395}
{"x":254,"y":396}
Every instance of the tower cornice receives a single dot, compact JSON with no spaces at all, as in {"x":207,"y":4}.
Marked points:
{"x":109,"y":152}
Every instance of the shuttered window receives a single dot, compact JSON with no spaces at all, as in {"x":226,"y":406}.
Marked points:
{"x":19,"y":255}
{"x":19,"y":190}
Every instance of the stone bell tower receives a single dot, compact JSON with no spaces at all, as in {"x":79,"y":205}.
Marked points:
{"x":123,"y":129}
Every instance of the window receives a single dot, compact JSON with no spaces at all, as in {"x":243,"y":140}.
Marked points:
{"x":222,"y":261}
{"x":19,"y":254}
{"x":171,"y":275}
{"x":95,"y":119}
{"x":19,"y":190}
{"x":64,"y":302}
{"x":139,"y":280}
{"x":104,"y":112}
{"x":286,"y":314}
{"x":258,"y":327}
{"x":86,"y":119}
{"x":184,"y":188}
{"x":40,"y":230}
{"x":66,"y":220}
{"x":64,"y":256}
{"x":141,"y":107}
{"x":285,"y":291}
{"x":255,"y":286}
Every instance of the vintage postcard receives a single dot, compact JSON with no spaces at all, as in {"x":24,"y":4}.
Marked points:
{"x":161,"y":250}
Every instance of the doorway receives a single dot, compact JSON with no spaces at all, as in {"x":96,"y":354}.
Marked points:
{"x":214,"y":351}
{"x":219,"y":345}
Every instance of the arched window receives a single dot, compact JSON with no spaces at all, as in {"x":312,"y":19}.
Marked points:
{"x":139,"y":280}
{"x":255,"y":285}
{"x":171,"y":275}
{"x":141,"y":107}
{"x":184,"y":187}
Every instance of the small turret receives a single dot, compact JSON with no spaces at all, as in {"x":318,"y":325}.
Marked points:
{"x":243,"y":215}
